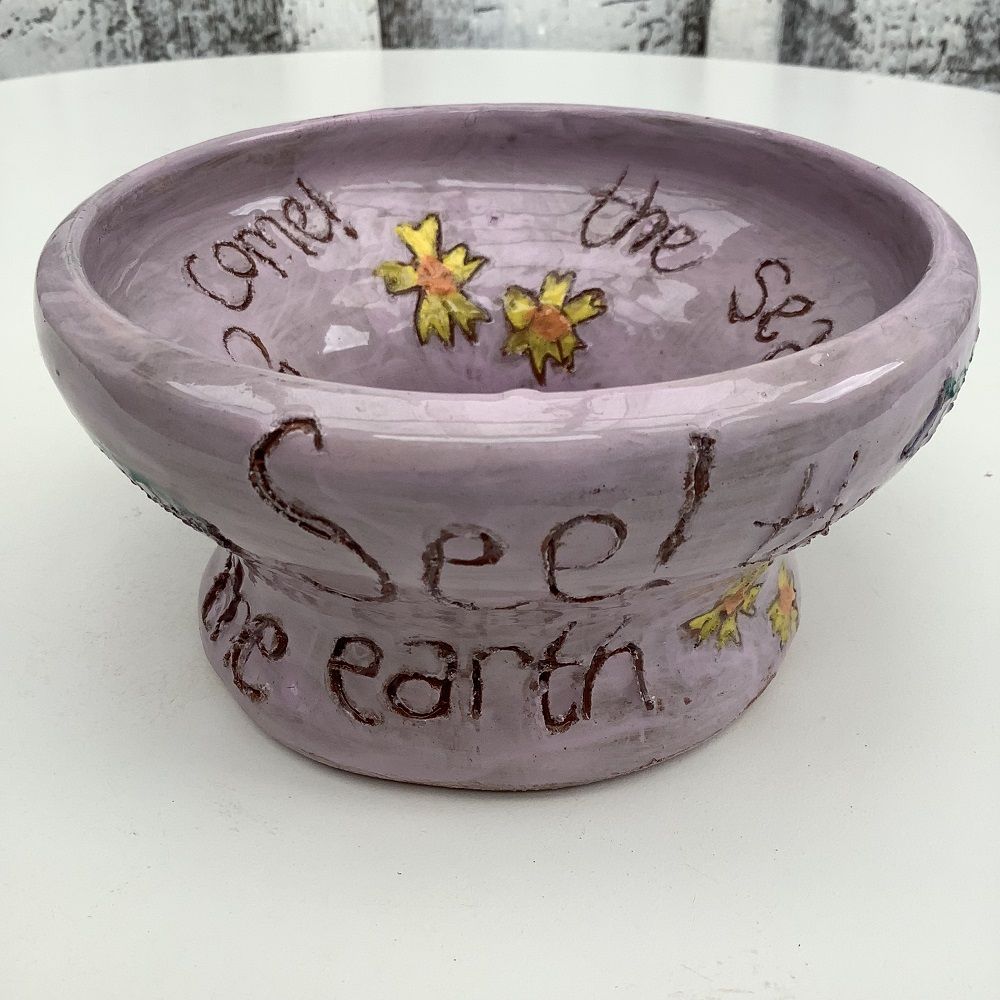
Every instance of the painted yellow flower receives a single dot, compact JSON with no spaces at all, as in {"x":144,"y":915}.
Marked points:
{"x":437,"y":279}
{"x":544,"y":327}
{"x":721,"y":621}
{"x":784,"y":610}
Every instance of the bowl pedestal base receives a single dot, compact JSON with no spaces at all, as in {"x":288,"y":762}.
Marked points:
{"x":542,"y":696}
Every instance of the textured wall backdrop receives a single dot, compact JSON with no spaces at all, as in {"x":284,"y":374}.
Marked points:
{"x":955,"y":41}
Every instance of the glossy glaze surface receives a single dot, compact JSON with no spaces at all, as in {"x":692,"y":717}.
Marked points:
{"x":418,"y":515}
{"x":690,"y":235}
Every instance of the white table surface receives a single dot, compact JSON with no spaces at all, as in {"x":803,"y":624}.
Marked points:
{"x":842,"y":841}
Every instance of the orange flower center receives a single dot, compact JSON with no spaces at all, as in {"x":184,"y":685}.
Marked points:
{"x":550,"y":324}
{"x":732,"y":602}
{"x":434,"y":277}
{"x":786,"y":600}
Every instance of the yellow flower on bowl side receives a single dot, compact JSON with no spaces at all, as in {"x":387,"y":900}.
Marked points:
{"x":784,"y":610}
{"x":721,"y":621}
{"x":544,"y":326}
{"x":437,"y":278}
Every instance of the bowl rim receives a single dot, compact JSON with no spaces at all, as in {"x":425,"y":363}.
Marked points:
{"x":904,"y":340}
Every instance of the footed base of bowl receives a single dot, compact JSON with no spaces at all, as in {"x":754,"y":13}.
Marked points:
{"x":542,"y":696}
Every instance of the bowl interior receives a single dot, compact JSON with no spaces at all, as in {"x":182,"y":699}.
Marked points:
{"x":460,"y":250}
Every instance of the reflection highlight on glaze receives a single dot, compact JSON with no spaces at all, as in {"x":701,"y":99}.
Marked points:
{"x":849,"y":384}
{"x":238,"y":395}
{"x":343,"y":338}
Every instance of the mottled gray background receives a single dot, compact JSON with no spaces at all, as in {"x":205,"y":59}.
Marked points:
{"x":954,"y":41}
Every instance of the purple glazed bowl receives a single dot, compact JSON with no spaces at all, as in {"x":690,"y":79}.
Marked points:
{"x":505,"y":420}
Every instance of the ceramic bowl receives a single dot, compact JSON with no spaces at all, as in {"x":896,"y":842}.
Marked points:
{"x":505,"y":420}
